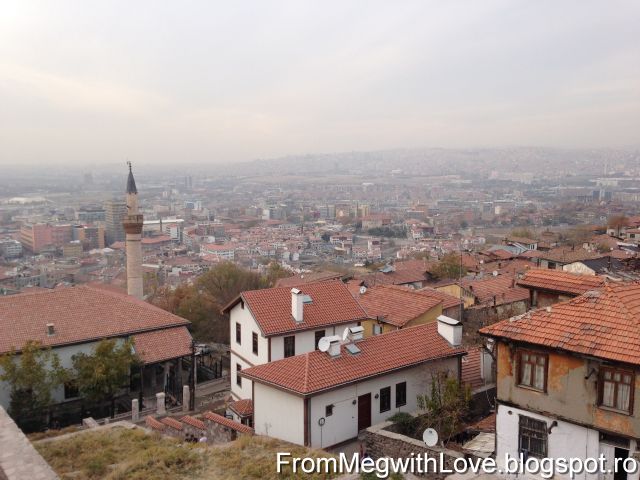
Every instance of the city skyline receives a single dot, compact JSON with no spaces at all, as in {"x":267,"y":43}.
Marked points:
{"x":217,"y":84}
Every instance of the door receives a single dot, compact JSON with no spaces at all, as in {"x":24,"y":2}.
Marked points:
{"x":364,"y":411}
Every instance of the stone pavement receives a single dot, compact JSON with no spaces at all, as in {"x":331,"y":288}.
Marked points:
{"x":18,"y":459}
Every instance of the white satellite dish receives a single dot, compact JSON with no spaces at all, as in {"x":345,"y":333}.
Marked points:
{"x":495,"y":273}
{"x":363,"y":290}
{"x":324,"y":344}
{"x":430,"y":437}
{"x":345,"y":335}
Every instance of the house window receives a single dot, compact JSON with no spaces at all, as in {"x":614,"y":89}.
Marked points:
{"x":532,"y":370}
{"x":255,"y":343}
{"x":533,"y":437}
{"x":289,"y":346}
{"x":319,"y":335}
{"x":377,"y":329}
{"x":401,"y":394}
{"x":616,"y":389}
{"x":71,"y":390}
{"x":385,"y":399}
{"x":238,"y":377}
{"x":328,"y":410}
{"x":238,"y":333}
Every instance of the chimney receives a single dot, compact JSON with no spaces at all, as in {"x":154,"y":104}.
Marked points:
{"x":356,"y":333}
{"x":297,"y":304}
{"x":51,"y":330}
{"x":450,"y":329}
{"x":334,"y":347}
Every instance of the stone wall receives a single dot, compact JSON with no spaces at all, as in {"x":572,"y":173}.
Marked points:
{"x":379,"y":443}
{"x":483,"y":315}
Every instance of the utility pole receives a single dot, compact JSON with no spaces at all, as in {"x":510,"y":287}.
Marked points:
{"x":192,"y":377}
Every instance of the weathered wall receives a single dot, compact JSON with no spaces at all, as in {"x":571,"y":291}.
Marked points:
{"x":571,"y":393}
{"x":481,"y":316}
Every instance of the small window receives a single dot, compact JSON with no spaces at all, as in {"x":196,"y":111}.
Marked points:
{"x":533,"y":437}
{"x":289,"y":346}
{"x":328,"y":410}
{"x":238,"y":377}
{"x":377,"y":329}
{"x":385,"y":399}
{"x":532,"y":370}
{"x":401,"y":394}
{"x":238,"y":334}
{"x":255,"y":343}
{"x":71,"y":390}
{"x":616,"y":389}
{"x":319,"y":334}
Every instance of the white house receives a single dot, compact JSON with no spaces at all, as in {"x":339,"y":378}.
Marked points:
{"x":275,"y":323}
{"x":70,"y":320}
{"x":323,"y":398}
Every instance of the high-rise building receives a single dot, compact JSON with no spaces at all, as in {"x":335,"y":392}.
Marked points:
{"x":115,"y":212}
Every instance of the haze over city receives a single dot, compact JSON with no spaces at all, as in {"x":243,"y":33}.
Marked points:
{"x":217,"y":82}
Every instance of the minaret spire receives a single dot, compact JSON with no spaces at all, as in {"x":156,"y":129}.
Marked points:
{"x":133,"y":223}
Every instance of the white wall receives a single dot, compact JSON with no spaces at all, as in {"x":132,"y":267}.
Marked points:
{"x":278,"y":414}
{"x":242,"y":353}
{"x":305,"y":340}
{"x":65,"y":354}
{"x":566,"y":440}
{"x":343,"y":424}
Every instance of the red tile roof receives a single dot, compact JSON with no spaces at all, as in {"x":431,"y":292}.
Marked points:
{"x":560,"y":281}
{"x":500,"y":289}
{"x":398,"y":305}
{"x":316,"y":371}
{"x":224,"y":421}
{"x":569,"y":255}
{"x":448,"y":301}
{"x":161,"y":345}
{"x":194,"y":422}
{"x":472,"y":369}
{"x":172,"y":422}
{"x":310,"y":277}
{"x":242,"y":408}
{"x":331,"y":304}
{"x":154,"y":424}
{"x":601,"y":324}
{"x":79,"y":314}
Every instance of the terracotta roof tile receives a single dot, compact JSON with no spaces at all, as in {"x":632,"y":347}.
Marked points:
{"x":331,"y":304}
{"x":79,"y":314}
{"x":172,"y":422}
{"x":317,"y":371}
{"x":242,"y":407}
{"x":154,"y":424}
{"x":560,"y":281}
{"x":194,"y":422}
{"x":569,"y":255}
{"x":224,"y":421}
{"x":304,"y":278}
{"x":601,"y":324}
{"x":500,"y":289}
{"x":160,"y":345}
{"x":398,"y":305}
{"x":471,"y":369}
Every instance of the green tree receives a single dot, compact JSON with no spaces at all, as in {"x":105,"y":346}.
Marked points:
{"x":101,"y":375}
{"x":449,"y":266}
{"x":31,"y":374}
{"x":446,"y":406}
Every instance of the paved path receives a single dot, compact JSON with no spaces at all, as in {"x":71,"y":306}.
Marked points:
{"x":18,"y":459}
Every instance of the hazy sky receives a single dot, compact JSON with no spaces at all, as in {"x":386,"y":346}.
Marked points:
{"x":98,"y":81}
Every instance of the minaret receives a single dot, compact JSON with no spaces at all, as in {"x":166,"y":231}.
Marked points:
{"x":133,"y":229}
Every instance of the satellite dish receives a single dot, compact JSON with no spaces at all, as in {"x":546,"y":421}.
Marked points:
{"x":430,"y":437}
{"x":345,"y":334}
{"x":323,"y":344}
{"x":495,"y":273}
{"x":363,"y":290}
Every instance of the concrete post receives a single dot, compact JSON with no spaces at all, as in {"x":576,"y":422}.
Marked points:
{"x":135,"y":410}
{"x":186,"y":398}
{"x":161,"y":409}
